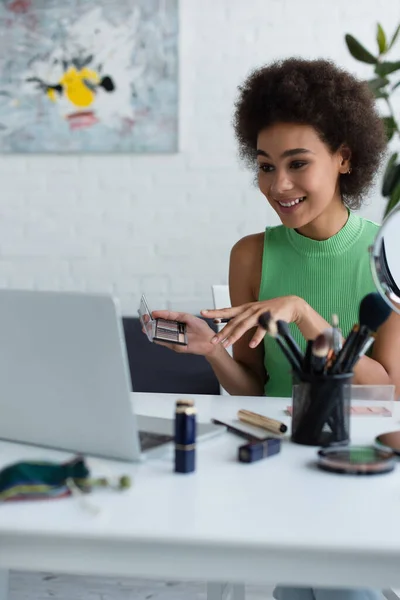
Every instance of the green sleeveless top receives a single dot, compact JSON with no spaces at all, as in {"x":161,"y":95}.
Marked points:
{"x":332,"y":275}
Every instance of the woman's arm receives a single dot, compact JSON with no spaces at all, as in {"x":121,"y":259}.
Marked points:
{"x":382,"y":369}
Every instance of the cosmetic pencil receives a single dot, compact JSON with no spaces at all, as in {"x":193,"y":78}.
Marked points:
{"x":243,"y":434}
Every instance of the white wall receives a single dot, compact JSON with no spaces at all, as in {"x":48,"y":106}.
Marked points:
{"x":165,"y":224}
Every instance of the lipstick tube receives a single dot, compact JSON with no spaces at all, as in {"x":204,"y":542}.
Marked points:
{"x":185,"y":436}
{"x":249,"y":453}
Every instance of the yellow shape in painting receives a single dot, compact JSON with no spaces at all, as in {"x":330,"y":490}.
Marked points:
{"x":75,"y":88}
{"x":52,"y":95}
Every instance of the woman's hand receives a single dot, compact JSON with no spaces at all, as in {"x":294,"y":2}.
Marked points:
{"x":245,"y":317}
{"x":199,"y":334}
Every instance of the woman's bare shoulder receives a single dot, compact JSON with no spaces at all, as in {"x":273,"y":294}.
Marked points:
{"x":245,"y":267}
{"x":248,"y":249}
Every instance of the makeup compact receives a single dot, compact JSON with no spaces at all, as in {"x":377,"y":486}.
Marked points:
{"x":161,"y":330}
{"x":356,"y":460}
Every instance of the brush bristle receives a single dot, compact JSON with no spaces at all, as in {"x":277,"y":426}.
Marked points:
{"x":373,"y":311}
{"x":268,"y":323}
{"x":328,"y":334}
{"x":335,"y":321}
{"x":264,"y":319}
{"x":320,"y":346}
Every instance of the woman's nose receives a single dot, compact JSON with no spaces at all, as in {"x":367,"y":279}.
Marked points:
{"x":280,"y":183}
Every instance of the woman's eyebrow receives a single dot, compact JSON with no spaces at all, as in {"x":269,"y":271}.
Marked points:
{"x":290,"y":152}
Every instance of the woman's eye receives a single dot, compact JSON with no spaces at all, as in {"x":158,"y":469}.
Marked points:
{"x":265,"y":167}
{"x":297,"y":164}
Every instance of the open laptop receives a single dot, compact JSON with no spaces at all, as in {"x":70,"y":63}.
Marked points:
{"x":65,"y":381}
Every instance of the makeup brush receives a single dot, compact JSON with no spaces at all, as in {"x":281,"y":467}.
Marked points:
{"x":330,"y":336}
{"x":364,"y":349}
{"x":328,"y":333}
{"x":337,"y":366}
{"x":307,"y":357}
{"x":374,"y":311}
{"x":336,"y":335}
{"x":284,"y":332}
{"x":319,"y":353}
{"x":266,"y":321}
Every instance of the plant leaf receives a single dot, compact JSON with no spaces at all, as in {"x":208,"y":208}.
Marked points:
{"x":394,"y":38}
{"x":358,"y":51}
{"x":389,"y":176}
{"x":377,"y":83}
{"x":385,"y":68}
{"x":394,"y":199}
{"x":390,"y":127}
{"x":396,"y":85}
{"x":381,"y":94}
{"x":381,"y":39}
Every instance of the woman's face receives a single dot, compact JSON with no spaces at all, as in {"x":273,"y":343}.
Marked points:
{"x":298,"y":174}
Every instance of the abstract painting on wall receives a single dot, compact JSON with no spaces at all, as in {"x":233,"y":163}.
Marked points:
{"x":88,"y":76}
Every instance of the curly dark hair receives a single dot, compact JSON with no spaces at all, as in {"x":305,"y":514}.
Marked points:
{"x":317,"y":93}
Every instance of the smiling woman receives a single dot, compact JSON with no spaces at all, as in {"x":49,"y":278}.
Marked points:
{"x":313,"y":136}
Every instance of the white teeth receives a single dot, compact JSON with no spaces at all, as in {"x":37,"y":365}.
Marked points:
{"x":287,"y":204}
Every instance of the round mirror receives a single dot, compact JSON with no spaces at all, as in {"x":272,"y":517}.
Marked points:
{"x":385,"y":259}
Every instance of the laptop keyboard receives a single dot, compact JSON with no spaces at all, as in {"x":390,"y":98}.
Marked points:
{"x":150,"y":440}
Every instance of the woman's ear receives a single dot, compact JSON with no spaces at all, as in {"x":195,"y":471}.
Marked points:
{"x":344,"y":160}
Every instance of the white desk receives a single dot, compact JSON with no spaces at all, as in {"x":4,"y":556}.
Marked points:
{"x":278,"y":520}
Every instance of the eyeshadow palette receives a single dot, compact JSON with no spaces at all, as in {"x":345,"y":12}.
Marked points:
{"x":161,"y":330}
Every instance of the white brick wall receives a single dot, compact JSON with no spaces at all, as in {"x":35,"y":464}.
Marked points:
{"x":165,"y":224}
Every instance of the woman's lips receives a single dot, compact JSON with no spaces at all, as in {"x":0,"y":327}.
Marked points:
{"x":289,"y":205}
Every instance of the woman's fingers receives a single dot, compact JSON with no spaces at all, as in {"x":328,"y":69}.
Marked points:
{"x":257,"y":337}
{"x":236,"y":333}
{"x":235,"y":329}
{"x":170,"y":315}
{"x":227,"y":331}
{"x":233,"y":332}
{"x":222,"y":313}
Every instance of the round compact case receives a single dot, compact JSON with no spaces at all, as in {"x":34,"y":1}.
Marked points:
{"x":356,"y":460}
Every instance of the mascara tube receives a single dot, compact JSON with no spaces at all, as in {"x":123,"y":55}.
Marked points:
{"x":185,"y":436}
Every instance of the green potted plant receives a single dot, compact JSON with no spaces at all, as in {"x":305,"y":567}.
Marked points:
{"x":384,"y":84}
